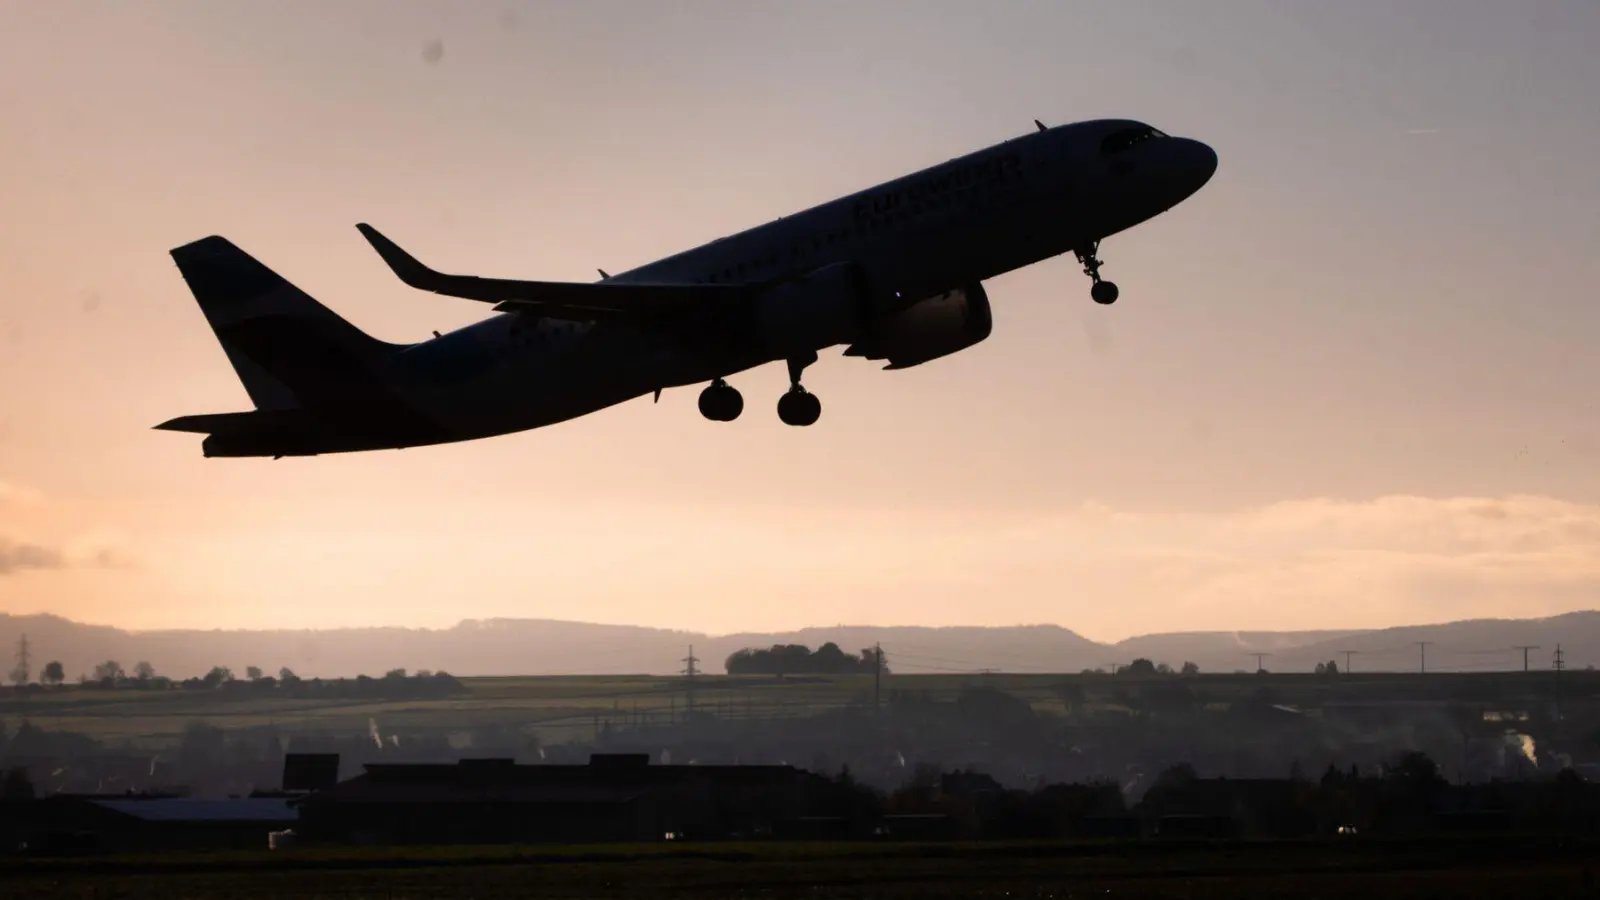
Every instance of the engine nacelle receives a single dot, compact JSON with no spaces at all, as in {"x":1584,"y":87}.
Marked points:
{"x":826,"y":307}
{"x":931,"y":328}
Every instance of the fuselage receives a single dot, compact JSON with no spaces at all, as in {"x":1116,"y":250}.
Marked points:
{"x":957,"y":223}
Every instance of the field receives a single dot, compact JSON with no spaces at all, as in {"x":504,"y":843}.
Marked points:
{"x":1303,"y":871}
{"x":560,"y":708}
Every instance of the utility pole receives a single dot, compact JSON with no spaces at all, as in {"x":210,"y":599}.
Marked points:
{"x":1525,"y":648}
{"x":690,"y":672}
{"x":1423,"y":647}
{"x":1560,"y":662}
{"x":1347,"y":655}
{"x":1260,"y":658}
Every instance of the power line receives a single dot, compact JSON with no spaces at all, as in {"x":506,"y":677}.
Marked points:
{"x":1525,"y":648}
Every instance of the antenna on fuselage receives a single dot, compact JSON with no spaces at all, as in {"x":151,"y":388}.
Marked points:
{"x":1040,"y":124}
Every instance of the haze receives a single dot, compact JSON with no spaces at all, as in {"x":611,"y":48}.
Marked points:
{"x":1350,"y":384}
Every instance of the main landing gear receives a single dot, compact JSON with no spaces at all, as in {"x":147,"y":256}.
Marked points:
{"x":1103,"y":292}
{"x":721,"y":402}
{"x":798,"y":406}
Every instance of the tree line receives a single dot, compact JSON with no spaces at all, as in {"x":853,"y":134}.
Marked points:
{"x":397,"y":683}
{"x":798,"y":659}
{"x":1407,"y":796}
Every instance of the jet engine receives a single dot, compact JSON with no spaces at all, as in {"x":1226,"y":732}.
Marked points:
{"x":929,"y":329}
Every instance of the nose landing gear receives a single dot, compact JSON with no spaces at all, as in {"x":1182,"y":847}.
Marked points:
{"x":1103,"y":292}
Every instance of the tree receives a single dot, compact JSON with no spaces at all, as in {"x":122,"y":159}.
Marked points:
{"x":253,"y":673}
{"x":395,"y":674}
{"x":110,"y":670}
{"x":144,"y":671}
{"x":1140,"y":666}
{"x":17,"y":784}
{"x":287,"y":675}
{"x":217,"y":676}
{"x":1163,"y":669}
{"x":1190,"y":668}
{"x":53,"y":673}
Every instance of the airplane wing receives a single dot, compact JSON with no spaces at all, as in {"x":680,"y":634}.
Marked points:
{"x":592,"y":300}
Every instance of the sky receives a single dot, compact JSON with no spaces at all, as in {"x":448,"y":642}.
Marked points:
{"x":1351,"y":383}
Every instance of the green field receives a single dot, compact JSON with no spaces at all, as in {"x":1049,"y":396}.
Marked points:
{"x":1478,"y":868}
{"x":559,"y":708}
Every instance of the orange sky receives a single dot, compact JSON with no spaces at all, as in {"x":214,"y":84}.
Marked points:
{"x":1350,"y":383}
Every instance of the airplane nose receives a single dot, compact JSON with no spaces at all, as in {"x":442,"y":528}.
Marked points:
{"x":1199,"y":162}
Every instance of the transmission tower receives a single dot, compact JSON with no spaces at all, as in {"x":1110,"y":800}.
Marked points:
{"x":24,"y":669}
{"x":1261,"y":661}
{"x":23,"y":672}
{"x":689,"y":671}
{"x":1560,"y":663}
{"x":877,"y":677}
{"x":1347,"y":655}
{"x":1525,"y":648}
{"x":1422,"y":646}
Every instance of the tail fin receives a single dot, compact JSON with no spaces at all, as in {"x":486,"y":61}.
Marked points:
{"x":289,"y":350}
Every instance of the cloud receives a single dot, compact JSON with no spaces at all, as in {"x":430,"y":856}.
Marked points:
{"x":17,"y":557}
{"x":93,"y":550}
{"x":17,"y":495}
{"x":1324,"y":562}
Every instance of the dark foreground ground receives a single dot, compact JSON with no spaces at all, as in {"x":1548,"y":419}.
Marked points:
{"x":1479,"y":868}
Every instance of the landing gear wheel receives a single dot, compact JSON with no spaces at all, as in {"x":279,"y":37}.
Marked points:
{"x":799,"y":407}
{"x":1103,"y":292}
{"x":721,"y":402}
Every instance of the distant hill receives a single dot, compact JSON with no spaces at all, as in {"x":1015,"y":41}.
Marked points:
{"x":552,"y":647}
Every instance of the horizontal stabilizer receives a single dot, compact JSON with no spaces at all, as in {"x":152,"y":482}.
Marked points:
{"x":585,"y":300}
{"x":235,"y":422}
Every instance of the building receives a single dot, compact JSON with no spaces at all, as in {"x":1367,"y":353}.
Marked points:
{"x":135,"y":823}
{"x":617,"y":797}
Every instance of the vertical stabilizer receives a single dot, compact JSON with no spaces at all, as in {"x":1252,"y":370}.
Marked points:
{"x":289,"y":350}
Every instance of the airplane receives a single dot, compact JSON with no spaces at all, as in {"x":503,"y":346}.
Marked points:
{"x":894,"y":273}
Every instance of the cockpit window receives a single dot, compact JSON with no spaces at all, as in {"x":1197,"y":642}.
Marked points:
{"x":1120,"y":140}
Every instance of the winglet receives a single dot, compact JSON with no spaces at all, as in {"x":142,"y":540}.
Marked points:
{"x":405,"y":266}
